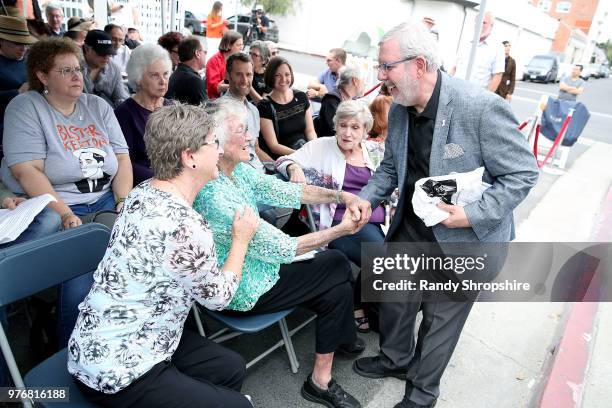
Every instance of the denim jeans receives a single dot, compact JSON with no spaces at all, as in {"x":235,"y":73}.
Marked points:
{"x":45,"y":223}
{"x":71,"y":293}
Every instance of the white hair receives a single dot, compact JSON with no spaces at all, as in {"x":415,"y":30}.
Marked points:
{"x":143,"y":56}
{"x":355,"y":110}
{"x":223,"y":110}
{"x":53,"y":6}
{"x":346,"y":74}
{"x":414,"y":40}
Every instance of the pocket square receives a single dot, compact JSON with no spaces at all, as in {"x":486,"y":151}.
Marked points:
{"x":452,"y":150}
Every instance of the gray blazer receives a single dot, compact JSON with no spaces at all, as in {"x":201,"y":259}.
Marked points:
{"x":473,"y":128}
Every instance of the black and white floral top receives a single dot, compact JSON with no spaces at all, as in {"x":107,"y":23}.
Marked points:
{"x":160,"y":258}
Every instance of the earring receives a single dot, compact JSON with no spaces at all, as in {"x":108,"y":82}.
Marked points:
{"x":193,"y":166}
{"x":46,"y":90}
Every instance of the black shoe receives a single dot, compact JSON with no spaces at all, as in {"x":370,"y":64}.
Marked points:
{"x":406,"y":403}
{"x":356,"y":348}
{"x":371,"y":367}
{"x":333,"y":397}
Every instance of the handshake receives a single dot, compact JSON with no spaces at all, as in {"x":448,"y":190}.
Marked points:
{"x":357,"y":213}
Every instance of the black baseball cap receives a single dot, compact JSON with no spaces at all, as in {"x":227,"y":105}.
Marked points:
{"x":100,"y":42}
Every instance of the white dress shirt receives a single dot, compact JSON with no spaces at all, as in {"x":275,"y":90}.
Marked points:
{"x":488,"y":62}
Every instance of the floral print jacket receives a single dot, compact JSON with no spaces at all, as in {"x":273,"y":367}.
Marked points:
{"x":160,"y":258}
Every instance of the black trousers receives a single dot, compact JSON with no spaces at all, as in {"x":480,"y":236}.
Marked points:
{"x":426,"y":358}
{"x":200,"y":373}
{"x":323,"y":285}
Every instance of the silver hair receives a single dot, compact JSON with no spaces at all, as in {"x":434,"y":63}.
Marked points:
{"x":414,"y":39}
{"x":53,"y":6}
{"x":223,"y":110}
{"x":355,"y":109}
{"x":143,"y":56}
{"x":263,"y":50}
{"x":172,"y":130}
{"x":347,"y":74}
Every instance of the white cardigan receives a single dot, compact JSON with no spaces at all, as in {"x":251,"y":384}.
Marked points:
{"x":324,"y":164}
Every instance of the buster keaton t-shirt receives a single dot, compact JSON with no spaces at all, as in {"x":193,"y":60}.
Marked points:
{"x":78,"y":150}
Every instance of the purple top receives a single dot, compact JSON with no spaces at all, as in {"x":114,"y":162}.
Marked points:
{"x":355,"y":178}
{"x":133,"y":118}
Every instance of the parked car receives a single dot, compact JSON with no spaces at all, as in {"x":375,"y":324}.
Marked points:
{"x":194,"y":24}
{"x":244,"y":28}
{"x":604,"y":71}
{"x":542,"y":68}
{"x":590,"y":71}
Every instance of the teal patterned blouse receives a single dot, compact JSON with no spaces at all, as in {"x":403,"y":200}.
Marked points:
{"x":270,"y":247}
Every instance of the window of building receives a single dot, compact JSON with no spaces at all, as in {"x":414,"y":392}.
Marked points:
{"x":544,"y":5}
{"x":564,"y":7}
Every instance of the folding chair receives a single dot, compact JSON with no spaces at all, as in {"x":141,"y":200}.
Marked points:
{"x":237,"y":325}
{"x":30,"y":267}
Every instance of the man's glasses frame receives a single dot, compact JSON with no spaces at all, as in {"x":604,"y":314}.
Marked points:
{"x":387,"y":66}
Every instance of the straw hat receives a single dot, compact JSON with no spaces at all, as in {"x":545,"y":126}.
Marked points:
{"x":16,"y":30}
{"x":79,"y":24}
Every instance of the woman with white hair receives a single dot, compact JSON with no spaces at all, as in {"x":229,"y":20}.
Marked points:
{"x":343,"y":163}
{"x":148,"y":72}
{"x":271,"y":282}
{"x":349,"y":85}
{"x":129,"y":347}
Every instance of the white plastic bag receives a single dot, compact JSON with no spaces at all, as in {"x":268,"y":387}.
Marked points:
{"x":455,"y":188}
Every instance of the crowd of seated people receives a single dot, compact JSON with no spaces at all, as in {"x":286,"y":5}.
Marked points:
{"x":73,"y":129}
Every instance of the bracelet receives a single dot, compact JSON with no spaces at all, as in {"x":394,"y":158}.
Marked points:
{"x":119,"y":201}
{"x":66,"y":215}
{"x":338,"y":192}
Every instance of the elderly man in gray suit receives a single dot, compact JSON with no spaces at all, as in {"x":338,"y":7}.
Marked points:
{"x":438,"y":125}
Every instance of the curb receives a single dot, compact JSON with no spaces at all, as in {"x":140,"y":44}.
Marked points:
{"x":564,"y":387}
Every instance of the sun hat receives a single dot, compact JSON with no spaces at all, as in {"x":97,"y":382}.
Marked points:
{"x":16,"y":30}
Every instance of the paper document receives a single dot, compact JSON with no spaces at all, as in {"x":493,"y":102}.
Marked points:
{"x":14,"y":222}
{"x":305,"y":256}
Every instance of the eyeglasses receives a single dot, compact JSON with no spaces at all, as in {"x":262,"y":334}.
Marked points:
{"x":174,"y":51}
{"x":253,"y":55}
{"x":242,"y":131}
{"x":388,"y":66}
{"x":214,"y":142}
{"x":69,"y":71}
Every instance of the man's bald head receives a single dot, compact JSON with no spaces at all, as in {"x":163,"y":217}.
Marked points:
{"x":487,"y":25}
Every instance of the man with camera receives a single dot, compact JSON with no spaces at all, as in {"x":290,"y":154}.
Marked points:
{"x":260,"y":22}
